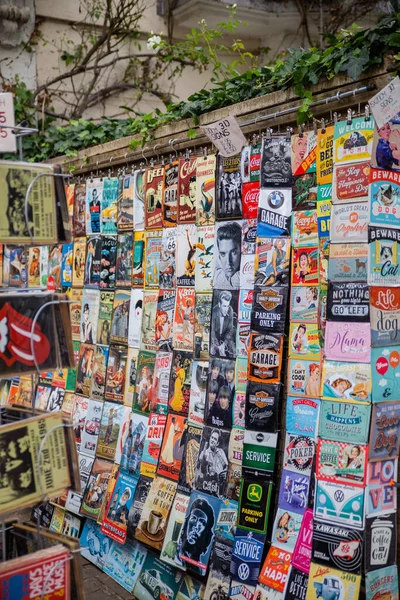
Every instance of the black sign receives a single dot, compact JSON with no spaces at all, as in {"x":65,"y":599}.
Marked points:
{"x":262,"y":401}
{"x":348,"y":302}
{"x":265,"y":357}
{"x":296,"y":587}
{"x":269,"y":309}
{"x":254,"y":506}
{"x":380,"y":541}
{"x":276,"y":168}
{"x":336,"y":546}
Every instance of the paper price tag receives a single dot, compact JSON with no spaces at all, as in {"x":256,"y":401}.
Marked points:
{"x":386,"y":103}
{"x":226,"y":135}
{"x":7,"y":138}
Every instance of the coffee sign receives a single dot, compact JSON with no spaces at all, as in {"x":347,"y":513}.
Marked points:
{"x":380,"y":538}
{"x":341,"y":462}
{"x":348,"y":302}
{"x":385,"y":316}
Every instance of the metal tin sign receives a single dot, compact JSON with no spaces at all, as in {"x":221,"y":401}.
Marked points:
{"x":276,"y":169}
{"x":304,"y":304}
{"x":305,"y":228}
{"x":384,"y":197}
{"x":296,"y":586}
{"x":349,"y":342}
{"x":259,"y":450}
{"x":302,"y":416}
{"x":348,"y":262}
{"x":305,"y":269}
{"x":353,"y":141}
{"x":324,"y":209}
{"x":384,"y":437}
{"x":265,"y":358}
{"x":286,"y":529}
{"x":304,"y":377}
{"x":274,"y":210}
{"x":293,"y":493}
{"x":350,"y":182}
{"x":303,"y":549}
{"x":262,"y":402}
{"x":344,"y":421}
{"x":269,"y":309}
{"x":254,"y":505}
{"x":381,"y":495}
{"x":380,"y":541}
{"x":349,"y":222}
{"x":275,"y":569}
{"x":328,"y":583}
{"x":337,"y":546}
{"x":247,"y":555}
{"x":342,"y":504}
{"x":382,"y":583}
{"x":385,"y":316}
{"x":346,"y":381}
{"x":341,"y":462}
{"x":272,"y":264}
{"x":299,"y":453}
{"x":383,"y":256}
{"x":385,"y":364}
{"x":348,"y":302}
{"x":324,"y":155}
{"x":304,"y":341}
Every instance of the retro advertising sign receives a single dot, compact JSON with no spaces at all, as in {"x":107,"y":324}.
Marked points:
{"x":380,"y":541}
{"x":349,"y":222}
{"x":343,"y":504}
{"x":349,"y":342}
{"x":384,"y":197}
{"x":348,"y":262}
{"x":382,"y":583}
{"x":299,"y":453}
{"x":381,"y":495}
{"x":341,"y":462}
{"x":259,"y":451}
{"x":385,"y":364}
{"x":344,"y":421}
{"x":384,"y":438}
{"x":303,"y":549}
{"x":302,"y":416}
{"x":325,"y":581}
{"x":346,"y":381}
{"x":265,"y":358}
{"x":269,"y":309}
{"x":293,"y":494}
{"x":246,"y":556}
{"x":383,"y":256}
{"x":385,"y":316}
{"x":337,"y":546}
{"x":262,"y":403}
{"x":350,"y":182}
{"x":254,"y":506}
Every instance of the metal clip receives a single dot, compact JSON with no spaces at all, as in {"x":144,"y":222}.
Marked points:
{"x":323,"y":128}
{"x":349,"y":116}
{"x":367,"y":112}
{"x":300,"y":130}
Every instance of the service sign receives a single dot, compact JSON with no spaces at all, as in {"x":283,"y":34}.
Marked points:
{"x":299,"y":453}
{"x":385,"y":316}
{"x":384,"y":197}
{"x":286,"y":529}
{"x":337,"y":546}
{"x":346,"y":381}
{"x":254,"y":506}
{"x":305,"y":228}
{"x":348,"y":262}
{"x":304,"y":378}
{"x":274,"y":210}
{"x":353,"y":141}
{"x":349,"y":342}
{"x":265,"y":358}
{"x":275,"y":569}
{"x":381,"y":496}
{"x":350,"y":182}
{"x":383,"y":256}
{"x":269,"y":309}
{"x":262,"y":404}
{"x":349,"y":222}
{"x":302,"y":416}
{"x":348,"y":302}
{"x":303,"y":548}
{"x":293,"y":493}
{"x":341,"y":462}
{"x":342,"y":504}
{"x":259,"y":451}
{"x":385,"y":364}
{"x":304,"y":304}
{"x":325,"y":582}
{"x":380,"y":541}
{"x":344,"y":421}
{"x":246,"y":556}
{"x":384,"y":437}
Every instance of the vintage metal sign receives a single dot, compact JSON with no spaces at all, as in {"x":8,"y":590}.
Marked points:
{"x":265,"y":357}
{"x":348,"y":262}
{"x":383,"y":256}
{"x":384,"y":439}
{"x":269,"y":309}
{"x":385,"y":364}
{"x":302,"y":416}
{"x":348,"y":302}
{"x":341,"y":462}
{"x":350,"y":182}
{"x":349,"y":342}
{"x":342,"y":504}
{"x":381,"y":495}
{"x":344,"y":421}
{"x":337,"y":546}
{"x":262,"y":403}
{"x":349,"y":222}
{"x":380,"y":541}
{"x":346,"y":381}
{"x":385,"y":316}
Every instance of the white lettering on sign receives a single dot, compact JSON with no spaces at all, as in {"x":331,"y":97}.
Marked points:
{"x":226,"y":135}
{"x":7,"y":137}
{"x":386,"y":103}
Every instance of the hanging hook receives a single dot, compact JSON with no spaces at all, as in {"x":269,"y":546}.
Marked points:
{"x":171,"y":143}
{"x":367,"y":112}
{"x":156,"y":153}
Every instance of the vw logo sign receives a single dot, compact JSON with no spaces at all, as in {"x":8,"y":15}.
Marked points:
{"x":339,"y":496}
{"x":243,"y":571}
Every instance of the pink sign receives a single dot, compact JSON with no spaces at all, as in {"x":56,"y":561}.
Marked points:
{"x":348,"y":342}
{"x":301,"y":558}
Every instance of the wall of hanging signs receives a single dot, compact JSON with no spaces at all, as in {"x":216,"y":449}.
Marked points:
{"x":230,"y":315}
